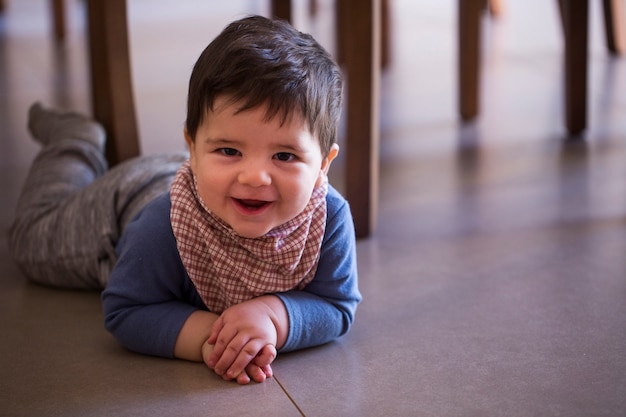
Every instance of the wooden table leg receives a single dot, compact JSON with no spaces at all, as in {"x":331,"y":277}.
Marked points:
{"x":469,"y":12}
{"x":58,"y":19}
{"x":282,"y":9}
{"x":359,"y":37}
{"x":112,"y":91}
{"x":362,"y":62}
{"x":575,"y":27}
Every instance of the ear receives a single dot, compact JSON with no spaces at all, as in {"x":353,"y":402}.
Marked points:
{"x":188,"y":139}
{"x":334,"y":151}
{"x":191,"y":146}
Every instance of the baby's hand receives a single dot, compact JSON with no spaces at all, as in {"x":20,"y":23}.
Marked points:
{"x":257,"y":373}
{"x":258,"y":369}
{"x":243,"y":335}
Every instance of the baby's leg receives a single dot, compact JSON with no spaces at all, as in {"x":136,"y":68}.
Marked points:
{"x":117,"y":196}
{"x":71,"y":158}
{"x":71,"y":210}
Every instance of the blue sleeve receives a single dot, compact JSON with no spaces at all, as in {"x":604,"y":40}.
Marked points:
{"x":324,"y":310}
{"x":149,"y":295}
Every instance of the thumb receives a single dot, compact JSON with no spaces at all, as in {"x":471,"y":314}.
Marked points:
{"x":215,"y":330}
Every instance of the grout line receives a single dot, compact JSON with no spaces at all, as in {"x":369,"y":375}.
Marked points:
{"x":289,"y":396}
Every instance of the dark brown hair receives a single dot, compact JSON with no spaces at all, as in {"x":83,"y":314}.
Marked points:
{"x":259,"y":61}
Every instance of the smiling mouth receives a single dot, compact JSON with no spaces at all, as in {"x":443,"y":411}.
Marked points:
{"x":251,"y":205}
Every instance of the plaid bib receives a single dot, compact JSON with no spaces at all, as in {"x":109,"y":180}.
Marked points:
{"x":226,"y":268}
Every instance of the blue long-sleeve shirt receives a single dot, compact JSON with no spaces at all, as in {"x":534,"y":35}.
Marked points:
{"x":149,"y":295}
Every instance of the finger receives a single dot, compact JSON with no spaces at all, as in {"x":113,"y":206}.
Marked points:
{"x":245,"y":355}
{"x":225,"y":350}
{"x":256,"y":373}
{"x":266,"y":356}
{"x":243,"y":378}
{"x":267,"y":370}
{"x":217,"y":327}
{"x":207,"y":349}
{"x":230,"y":351}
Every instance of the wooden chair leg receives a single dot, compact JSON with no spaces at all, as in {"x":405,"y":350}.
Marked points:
{"x":282,"y":9}
{"x":359,"y":27}
{"x":112,"y":92}
{"x":313,"y":7}
{"x":469,"y":12}
{"x":342,"y":13}
{"x":58,"y":19}
{"x":575,"y":25}
{"x":341,"y":29}
{"x":385,"y":33}
{"x":614,"y":26}
{"x":362,"y":63}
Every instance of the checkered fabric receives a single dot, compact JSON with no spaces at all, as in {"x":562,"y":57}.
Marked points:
{"x":226,"y":268}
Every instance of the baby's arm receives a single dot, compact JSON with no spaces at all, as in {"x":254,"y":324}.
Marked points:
{"x":325,"y":309}
{"x":247,"y":333}
{"x":193,"y":335}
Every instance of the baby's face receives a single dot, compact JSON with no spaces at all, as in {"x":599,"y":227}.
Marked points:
{"x":253,"y":173}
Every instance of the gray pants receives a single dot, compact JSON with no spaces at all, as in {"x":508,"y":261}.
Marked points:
{"x":72,"y":211}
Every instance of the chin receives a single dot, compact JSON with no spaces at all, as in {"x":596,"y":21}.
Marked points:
{"x":252,"y":234}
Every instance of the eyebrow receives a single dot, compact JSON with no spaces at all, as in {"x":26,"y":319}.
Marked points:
{"x":221,"y":141}
{"x":296,"y":149}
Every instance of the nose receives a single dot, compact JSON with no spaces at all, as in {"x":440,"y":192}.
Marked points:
{"x":255,"y":174}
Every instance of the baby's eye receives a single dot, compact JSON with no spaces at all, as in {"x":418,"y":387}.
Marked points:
{"x":285,"y":156}
{"x":229,"y":151}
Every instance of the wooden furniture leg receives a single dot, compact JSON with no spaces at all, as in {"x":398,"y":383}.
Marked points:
{"x":469,"y":12}
{"x":575,"y":27}
{"x":362,"y":65}
{"x":342,"y":14}
{"x":313,"y":7}
{"x":574,"y":18}
{"x":385,"y":33}
{"x":282,"y":9}
{"x":58,"y":19}
{"x":112,"y":92}
{"x":358,"y":37}
{"x":614,"y":26}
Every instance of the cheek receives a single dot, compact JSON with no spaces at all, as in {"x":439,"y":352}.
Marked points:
{"x":301,"y":190}
{"x":203,"y":191}
{"x":207,"y":183}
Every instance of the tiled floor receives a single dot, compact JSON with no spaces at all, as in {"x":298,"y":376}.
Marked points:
{"x":495,"y":284}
